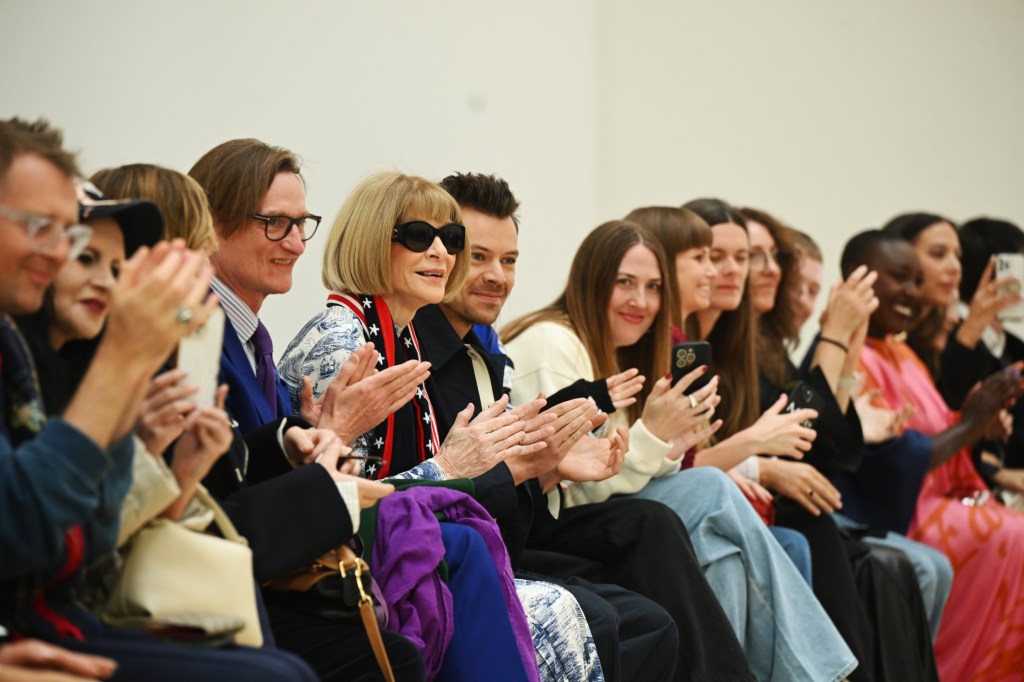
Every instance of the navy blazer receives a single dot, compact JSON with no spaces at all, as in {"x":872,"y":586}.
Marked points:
{"x":246,"y":402}
{"x":290,"y":516}
{"x":452,"y":386}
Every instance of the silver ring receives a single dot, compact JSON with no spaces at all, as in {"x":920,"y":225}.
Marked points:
{"x":184,"y":315}
{"x":693,"y":401}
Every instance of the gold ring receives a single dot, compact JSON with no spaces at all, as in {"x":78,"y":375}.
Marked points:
{"x":810,"y":493}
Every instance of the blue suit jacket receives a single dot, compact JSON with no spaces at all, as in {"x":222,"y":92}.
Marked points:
{"x":246,"y":402}
{"x":267,"y":500}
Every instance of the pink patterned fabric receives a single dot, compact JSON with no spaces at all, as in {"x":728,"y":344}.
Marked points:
{"x":982,"y":631}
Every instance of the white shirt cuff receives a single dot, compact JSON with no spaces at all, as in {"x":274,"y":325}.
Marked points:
{"x":554,"y":501}
{"x":751,"y":468}
{"x":350,"y":495}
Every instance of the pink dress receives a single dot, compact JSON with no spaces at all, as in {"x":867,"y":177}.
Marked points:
{"x":982,"y":631}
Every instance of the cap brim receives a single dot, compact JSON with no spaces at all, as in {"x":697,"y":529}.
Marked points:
{"x":141,"y":221}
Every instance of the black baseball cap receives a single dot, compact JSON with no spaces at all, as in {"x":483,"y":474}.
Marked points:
{"x":141,"y":221}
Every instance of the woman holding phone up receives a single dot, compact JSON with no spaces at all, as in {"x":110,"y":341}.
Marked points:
{"x":63,"y":338}
{"x":805,"y":497}
{"x":614,"y":315}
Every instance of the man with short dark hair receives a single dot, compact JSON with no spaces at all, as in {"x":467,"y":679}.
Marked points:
{"x":638,"y":544}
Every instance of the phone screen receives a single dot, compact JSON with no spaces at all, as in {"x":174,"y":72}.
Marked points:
{"x":1012,"y":265}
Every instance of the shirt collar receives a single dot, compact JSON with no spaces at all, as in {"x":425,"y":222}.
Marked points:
{"x":438,"y":339}
{"x":242,"y":318}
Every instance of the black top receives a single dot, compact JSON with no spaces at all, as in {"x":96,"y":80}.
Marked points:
{"x":452,"y":386}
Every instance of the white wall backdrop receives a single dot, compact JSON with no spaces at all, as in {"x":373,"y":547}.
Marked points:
{"x":834,"y":116}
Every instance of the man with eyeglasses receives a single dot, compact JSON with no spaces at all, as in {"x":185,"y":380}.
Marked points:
{"x":39,"y":216}
{"x":262,"y":231}
{"x":291,"y":514}
{"x":62,"y":479}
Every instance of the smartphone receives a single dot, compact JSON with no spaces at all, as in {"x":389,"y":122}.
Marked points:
{"x":1011,"y":264}
{"x":801,"y":395}
{"x":199,"y":355}
{"x":688,"y":356}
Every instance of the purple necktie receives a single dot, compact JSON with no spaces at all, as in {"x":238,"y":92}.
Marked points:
{"x":266,"y":375}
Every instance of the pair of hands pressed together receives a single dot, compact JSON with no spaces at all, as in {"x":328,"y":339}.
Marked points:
{"x":202,"y":433}
{"x":571,"y":453}
{"x":160,"y":297}
{"x":531,"y":442}
{"x":323,"y":447}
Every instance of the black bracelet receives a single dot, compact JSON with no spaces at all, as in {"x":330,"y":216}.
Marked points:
{"x":839,"y":344}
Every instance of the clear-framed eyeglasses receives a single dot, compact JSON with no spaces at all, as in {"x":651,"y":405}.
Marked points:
{"x":45,"y":233}
{"x":277,"y":227}
{"x":761,"y":260}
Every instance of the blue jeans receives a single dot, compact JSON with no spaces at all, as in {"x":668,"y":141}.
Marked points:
{"x":785,"y":633}
{"x":934,"y":572}
{"x":796,"y":547}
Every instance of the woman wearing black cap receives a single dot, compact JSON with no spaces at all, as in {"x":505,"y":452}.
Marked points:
{"x":63,"y":337}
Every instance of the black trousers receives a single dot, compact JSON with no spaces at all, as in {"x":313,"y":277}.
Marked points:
{"x":643,"y":546}
{"x":339,"y":651}
{"x":872,"y":596}
{"x":902,"y":643}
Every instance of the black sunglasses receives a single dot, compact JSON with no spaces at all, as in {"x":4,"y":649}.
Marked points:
{"x":419,"y":235}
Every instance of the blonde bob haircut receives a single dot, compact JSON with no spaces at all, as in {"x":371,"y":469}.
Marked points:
{"x":357,"y":257}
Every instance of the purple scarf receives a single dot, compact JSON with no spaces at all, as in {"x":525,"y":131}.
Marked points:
{"x":406,"y":552}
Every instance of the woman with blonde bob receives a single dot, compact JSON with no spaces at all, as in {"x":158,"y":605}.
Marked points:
{"x":397,"y":245}
{"x":613,"y":315}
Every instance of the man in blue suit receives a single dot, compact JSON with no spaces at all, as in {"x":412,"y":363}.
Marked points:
{"x":258,"y":204}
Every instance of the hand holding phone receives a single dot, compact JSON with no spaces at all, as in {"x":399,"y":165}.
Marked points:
{"x":688,"y":356}
{"x":199,"y":356}
{"x":802,"y":395}
{"x":1011,"y":265}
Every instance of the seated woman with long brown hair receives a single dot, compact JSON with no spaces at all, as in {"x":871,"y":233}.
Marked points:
{"x":614,"y":315}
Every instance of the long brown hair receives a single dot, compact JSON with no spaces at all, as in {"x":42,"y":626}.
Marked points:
{"x":678,"y":230}
{"x":777,"y":330}
{"x":732,"y":339}
{"x":583,"y":307}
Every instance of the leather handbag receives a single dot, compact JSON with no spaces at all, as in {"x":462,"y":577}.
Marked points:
{"x":184,"y":579}
{"x":337,"y":586}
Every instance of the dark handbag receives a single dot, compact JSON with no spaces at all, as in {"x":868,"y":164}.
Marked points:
{"x":337,"y":586}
